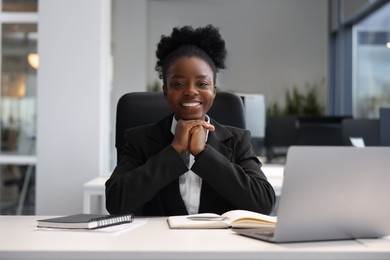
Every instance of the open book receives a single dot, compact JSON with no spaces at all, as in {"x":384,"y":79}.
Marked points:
{"x":230,"y":219}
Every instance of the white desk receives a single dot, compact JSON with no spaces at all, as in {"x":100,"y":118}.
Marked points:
{"x":96,"y":186}
{"x":19,"y":239}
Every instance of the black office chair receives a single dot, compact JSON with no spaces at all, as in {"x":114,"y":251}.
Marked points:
{"x":142,"y":108}
{"x":280,"y":133}
{"x":384,"y":126}
{"x":368,"y":129}
{"x":319,"y":130}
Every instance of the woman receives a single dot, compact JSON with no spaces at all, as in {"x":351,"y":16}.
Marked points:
{"x":188,"y":163}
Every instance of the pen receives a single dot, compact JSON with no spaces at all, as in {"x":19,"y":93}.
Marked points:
{"x":208,"y":218}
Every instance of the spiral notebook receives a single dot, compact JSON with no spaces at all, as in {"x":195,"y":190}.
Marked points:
{"x":84,"y":221}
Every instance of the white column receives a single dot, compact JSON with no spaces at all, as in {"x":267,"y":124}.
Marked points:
{"x":73,"y":101}
{"x":129,"y":49}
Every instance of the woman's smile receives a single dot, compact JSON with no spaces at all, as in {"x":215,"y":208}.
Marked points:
{"x":191,"y":104}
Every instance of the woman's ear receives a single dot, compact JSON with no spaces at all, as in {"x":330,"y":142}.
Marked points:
{"x":164,"y":91}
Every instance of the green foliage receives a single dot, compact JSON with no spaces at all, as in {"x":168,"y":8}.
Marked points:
{"x":274,"y":110}
{"x":294,"y":102}
{"x":298,"y":103}
{"x":312,"y":105}
{"x":154,"y":87}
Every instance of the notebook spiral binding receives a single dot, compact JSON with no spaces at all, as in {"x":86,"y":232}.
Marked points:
{"x":112,"y":220}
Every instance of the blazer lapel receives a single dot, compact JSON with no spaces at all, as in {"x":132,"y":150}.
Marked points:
{"x":159,"y":137}
{"x":218,"y":139}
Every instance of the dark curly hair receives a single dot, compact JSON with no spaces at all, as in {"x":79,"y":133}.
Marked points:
{"x":203,"y":42}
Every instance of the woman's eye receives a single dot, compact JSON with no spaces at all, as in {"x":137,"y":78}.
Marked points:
{"x":203,"y":84}
{"x":177,"y":84}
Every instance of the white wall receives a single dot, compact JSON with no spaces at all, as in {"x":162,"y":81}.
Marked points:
{"x":272,"y":44}
{"x":129,"y":52}
{"x":73,"y":101}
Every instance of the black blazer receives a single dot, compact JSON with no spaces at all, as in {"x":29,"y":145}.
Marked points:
{"x":145,"y":181}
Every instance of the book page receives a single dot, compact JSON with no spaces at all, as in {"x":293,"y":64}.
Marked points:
{"x":186,"y":223}
{"x":248,"y":219}
{"x":233,"y":218}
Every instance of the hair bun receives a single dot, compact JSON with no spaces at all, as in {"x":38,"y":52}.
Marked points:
{"x":206,"y":38}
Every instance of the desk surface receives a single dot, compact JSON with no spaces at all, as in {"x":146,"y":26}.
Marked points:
{"x":20,"y":239}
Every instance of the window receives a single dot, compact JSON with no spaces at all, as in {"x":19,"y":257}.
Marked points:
{"x":359,"y":59}
{"x":371,"y":64}
{"x":18,"y":86}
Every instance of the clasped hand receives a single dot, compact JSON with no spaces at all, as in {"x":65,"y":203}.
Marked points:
{"x":191,"y":135}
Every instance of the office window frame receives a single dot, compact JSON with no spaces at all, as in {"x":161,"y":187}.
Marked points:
{"x":340,"y":31}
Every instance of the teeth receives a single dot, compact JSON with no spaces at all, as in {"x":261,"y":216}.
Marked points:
{"x":190,"y":104}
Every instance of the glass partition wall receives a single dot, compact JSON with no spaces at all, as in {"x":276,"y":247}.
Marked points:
{"x":359,"y":51}
{"x":19,"y":62}
{"x":371,"y":64}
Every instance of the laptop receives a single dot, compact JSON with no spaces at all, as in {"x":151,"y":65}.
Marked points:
{"x":331,"y":193}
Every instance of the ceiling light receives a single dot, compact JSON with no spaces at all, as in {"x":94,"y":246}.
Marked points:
{"x":33,"y":60}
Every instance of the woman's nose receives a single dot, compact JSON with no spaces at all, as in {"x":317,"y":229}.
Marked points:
{"x":191,"y":89}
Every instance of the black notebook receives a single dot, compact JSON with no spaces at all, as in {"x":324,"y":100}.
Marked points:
{"x":84,"y":221}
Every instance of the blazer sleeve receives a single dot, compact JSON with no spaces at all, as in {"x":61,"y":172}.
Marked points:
{"x":238,"y":179}
{"x":140,"y":174}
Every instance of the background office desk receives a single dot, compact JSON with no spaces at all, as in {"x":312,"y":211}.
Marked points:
{"x":19,"y":239}
{"x":96,"y":186}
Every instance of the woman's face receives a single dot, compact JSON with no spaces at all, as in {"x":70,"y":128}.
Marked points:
{"x":190,"y":89}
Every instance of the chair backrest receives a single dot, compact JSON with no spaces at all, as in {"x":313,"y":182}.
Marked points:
{"x":368,"y":129}
{"x":319,"y":130}
{"x":142,"y":108}
{"x":280,"y":131}
{"x":228,"y":109}
{"x":384,"y":122}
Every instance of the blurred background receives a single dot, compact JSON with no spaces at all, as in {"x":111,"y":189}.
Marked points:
{"x":65,"y":63}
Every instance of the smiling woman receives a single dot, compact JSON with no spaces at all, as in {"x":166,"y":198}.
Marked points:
{"x":188,"y":163}
{"x":190,"y":89}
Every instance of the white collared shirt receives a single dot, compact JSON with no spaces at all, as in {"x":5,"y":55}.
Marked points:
{"x":190,"y":184}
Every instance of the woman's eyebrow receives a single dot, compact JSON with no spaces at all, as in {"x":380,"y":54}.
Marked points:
{"x":203,"y":76}
{"x":177,"y":75}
